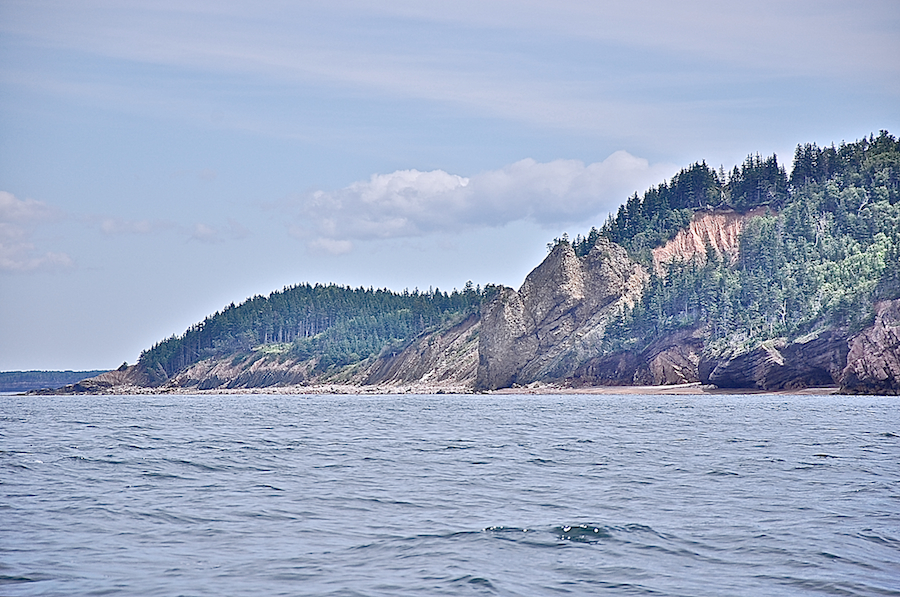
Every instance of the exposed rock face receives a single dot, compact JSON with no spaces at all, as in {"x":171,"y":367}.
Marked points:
{"x":873,"y":362}
{"x":508,"y":340}
{"x":721,"y":229}
{"x":133,"y":376}
{"x":814,"y":360}
{"x":672,"y":359}
{"x":557,"y":319}
{"x":448,"y":357}
{"x":257,"y":371}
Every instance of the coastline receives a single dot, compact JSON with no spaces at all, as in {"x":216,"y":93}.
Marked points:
{"x":689,"y":389}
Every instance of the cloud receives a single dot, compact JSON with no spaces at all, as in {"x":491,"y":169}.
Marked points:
{"x":410,"y":203}
{"x":496,"y":58}
{"x":18,"y":210}
{"x":17,"y":252}
{"x":205,"y":233}
{"x":334,"y":247}
{"x":120,"y":226}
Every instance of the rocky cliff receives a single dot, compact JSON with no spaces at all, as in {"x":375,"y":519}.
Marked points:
{"x":556,"y":320}
{"x":670,"y":360}
{"x":865,"y":363}
{"x":552,"y":330}
{"x":873,"y":359}
{"x":814,"y":360}
{"x":125,"y":378}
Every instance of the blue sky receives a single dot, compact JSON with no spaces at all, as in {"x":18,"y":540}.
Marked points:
{"x":161,"y":159}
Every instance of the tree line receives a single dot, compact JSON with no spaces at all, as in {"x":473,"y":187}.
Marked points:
{"x":338,"y":324}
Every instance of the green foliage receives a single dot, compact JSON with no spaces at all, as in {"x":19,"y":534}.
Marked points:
{"x":643,"y":223}
{"x":335,"y":324}
{"x":830,"y":248}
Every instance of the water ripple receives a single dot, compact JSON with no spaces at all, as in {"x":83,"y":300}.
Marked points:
{"x":450,"y":495}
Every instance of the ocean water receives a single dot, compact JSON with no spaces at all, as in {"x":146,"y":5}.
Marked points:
{"x":450,"y":495}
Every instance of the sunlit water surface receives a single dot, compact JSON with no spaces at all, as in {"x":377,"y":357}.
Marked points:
{"x":450,"y":495}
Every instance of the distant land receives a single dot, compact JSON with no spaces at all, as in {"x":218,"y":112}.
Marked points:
{"x":748,"y":279}
{"x":22,"y":381}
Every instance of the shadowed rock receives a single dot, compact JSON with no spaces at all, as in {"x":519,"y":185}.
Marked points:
{"x":873,"y":362}
{"x":813,"y":360}
{"x":670,"y":360}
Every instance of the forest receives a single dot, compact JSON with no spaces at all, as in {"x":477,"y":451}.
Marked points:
{"x":337,"y":325}
{"x":825,"y":251}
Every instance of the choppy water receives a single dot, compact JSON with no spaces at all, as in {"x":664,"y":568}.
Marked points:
{"x":450,"y":495}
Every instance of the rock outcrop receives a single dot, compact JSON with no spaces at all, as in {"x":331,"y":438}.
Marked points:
{"x":813,"y":360}
{"x":261,"y":369}
{"x":670,"y":360}
{"x":556,"y":321}
{"x":126,"y":377}
{"x":446,"y":358}
{"x":551,"y":331}
{"x":873,"y":360}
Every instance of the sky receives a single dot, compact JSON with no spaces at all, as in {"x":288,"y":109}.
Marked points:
{"x":160,"y":159}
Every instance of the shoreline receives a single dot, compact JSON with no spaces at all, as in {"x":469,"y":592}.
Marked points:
{"x":689,"y":389}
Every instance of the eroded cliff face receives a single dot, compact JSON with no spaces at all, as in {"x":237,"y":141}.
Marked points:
{"x":447,"y":359}
{"x":866,"y":363}
{"x":125,"y":379}
{"x":557,"y":319}
{"x":813,"y":360}
{"x":721,"y":229}
{"x":552,"y":330}
{"x":873,"y":361}
{"x":670,"y":360}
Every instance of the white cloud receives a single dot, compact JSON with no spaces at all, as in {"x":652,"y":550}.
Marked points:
{"x":17,"y":252}
{"x":234,"y":230}
{"x":18,"y":210}
{"x":120,"y":226}
{"x":328,"y":245}
{"x":200,"y":231}
{"x":486,"y":63}
{"x":205,"y":233}
{"x":409,"y":203}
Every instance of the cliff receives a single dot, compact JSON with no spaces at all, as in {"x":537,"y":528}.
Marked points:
{"x":556,"y":320}
{"x":719,"y":229}
{"x":670,"y":360}
{"x":814,"y":360}
{"x":552,"y":330}
{"x":865,"y":363}
{"x":124,"y":379}
{"x":873,"y":359}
